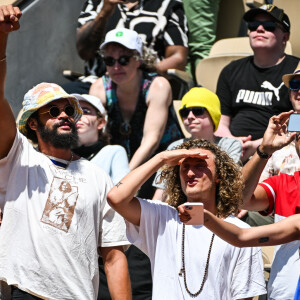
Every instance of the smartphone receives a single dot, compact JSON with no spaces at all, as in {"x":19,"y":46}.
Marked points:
{"x":195,"y":210}
{"x":294,"y":123}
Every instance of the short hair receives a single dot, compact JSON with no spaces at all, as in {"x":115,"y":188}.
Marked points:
{"x":31,"y":134}
{"x":230,"y":185}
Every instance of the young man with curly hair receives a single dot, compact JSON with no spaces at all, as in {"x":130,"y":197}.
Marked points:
{"x":188,"y":261}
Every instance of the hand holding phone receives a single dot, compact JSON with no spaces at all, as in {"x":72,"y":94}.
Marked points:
{"x":195,"y":210}
{"x":294,"y":123}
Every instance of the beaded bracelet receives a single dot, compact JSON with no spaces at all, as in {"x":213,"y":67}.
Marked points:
{"x":3,"y":59}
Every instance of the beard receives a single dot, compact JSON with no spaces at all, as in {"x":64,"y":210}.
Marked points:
{"x":59,"y":140}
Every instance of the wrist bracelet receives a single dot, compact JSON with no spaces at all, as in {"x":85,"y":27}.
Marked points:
{"x":3,"y":59}
{"x":262,"y":154}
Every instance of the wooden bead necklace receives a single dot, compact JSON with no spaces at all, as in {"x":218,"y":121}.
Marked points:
{"x":183,"y":271}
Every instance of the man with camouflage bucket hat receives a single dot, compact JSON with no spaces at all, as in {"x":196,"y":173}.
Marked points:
{"x":55,"y":214}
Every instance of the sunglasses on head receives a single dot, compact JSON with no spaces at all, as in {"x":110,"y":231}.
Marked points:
{"x":294,"y":85}
{"x":55,"y":111}
{"x":197,"y":111}
{"x":268,"y":25}
{"x":122,"y":60}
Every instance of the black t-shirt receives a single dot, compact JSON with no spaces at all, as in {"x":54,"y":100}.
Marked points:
{"x":251,"y":95}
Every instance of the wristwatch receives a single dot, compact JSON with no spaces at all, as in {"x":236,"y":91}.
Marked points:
{"x":262,"y":154}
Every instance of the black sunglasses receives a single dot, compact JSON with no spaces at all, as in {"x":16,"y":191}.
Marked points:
{"x":294,"y":85}
{"x":268,"y":25}
{"x":122,"y":60}
{"x":197,"y":111}
{"x":55,"y":111}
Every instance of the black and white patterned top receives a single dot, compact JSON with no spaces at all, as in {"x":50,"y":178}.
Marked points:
{"x":160,"y":23}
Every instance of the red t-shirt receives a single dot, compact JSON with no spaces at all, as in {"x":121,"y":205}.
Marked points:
{"x":284,"y":194}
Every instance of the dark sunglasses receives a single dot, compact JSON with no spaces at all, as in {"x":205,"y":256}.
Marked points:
{"x":122,"y":60}
{"x":55,"y":111}
{"x":197,"y":111}
{"x":268,"y":25}
{"x":294,"y":85}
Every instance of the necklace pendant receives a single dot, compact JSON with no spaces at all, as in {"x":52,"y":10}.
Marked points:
{"x":181,"y":272}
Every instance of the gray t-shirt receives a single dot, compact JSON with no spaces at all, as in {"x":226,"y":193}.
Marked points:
{"x":231,"y":146}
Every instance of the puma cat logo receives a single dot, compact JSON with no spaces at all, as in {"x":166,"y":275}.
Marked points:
{"x":269,"y":86}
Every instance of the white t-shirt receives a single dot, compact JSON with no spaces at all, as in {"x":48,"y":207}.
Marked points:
{"x":53,"y":221}
{"x":233,"y":273}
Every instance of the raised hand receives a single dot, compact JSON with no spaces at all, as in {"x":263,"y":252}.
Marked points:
{"x":176,"y":157}
{"x":9,"y":18}
{"x":276,"y":136}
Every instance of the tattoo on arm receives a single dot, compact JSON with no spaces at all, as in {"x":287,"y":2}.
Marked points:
{"x":118,"y":184}
{"x":263,"y":239}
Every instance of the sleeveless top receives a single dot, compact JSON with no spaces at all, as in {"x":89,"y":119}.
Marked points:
{"x":129,"y":135}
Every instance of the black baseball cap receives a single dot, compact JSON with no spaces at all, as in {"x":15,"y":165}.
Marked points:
{"x":272,"y":10}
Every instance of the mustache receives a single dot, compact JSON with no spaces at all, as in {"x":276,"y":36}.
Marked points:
{"x":65,"y":122}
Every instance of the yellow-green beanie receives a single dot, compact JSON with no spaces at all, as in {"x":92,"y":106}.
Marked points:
{"x":200,"y":96}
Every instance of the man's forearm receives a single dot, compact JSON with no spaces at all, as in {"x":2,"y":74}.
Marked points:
{"x":116,"y":269}
{"x":90,"y":36}
{"x":251,"y":173}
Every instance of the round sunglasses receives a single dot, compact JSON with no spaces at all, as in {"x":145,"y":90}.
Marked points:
{"x":122,"y":60}
{"x":268,"y":25}
{"x":55,"y":111}
{"x":197,"y":111}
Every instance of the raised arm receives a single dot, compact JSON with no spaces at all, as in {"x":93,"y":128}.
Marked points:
{"x":275,"y":137}
{"x":91,"y":34}
{"x":159,"y":99}
{"x":278,"y":233}
{"x":9,"y":21}
{"x":121,"y":197}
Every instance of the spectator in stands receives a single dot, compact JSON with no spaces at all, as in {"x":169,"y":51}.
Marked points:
{"x":54,"y":204}
{"x":285,"y":160}
{"x":279,"y":195}
{"x":188,"y":261}
{"x":202,"y":16}
{"x":200,"y":112}
{"x":160,"y":24}
{"x":93,"y":139}
{"x":250,"y":89}
{"x":138,"y":105}
{"x":137,"y":101}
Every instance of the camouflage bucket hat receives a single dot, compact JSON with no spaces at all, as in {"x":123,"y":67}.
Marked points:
{"x":41,"y":95}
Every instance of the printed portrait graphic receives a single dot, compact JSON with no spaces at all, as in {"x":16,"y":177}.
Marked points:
{"x":60,"y":205}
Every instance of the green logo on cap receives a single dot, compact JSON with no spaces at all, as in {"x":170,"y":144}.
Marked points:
{"x":119,"y":33}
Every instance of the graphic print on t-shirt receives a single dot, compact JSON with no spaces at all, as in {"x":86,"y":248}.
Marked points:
{"x":259,"y":98}
{"x":60,"y":205}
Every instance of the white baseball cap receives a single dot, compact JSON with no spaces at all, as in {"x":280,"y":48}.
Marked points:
{"x":93,"y":100}
{"x":126,"y":37}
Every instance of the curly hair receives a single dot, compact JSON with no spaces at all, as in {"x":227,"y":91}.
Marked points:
{"x":229,"y":188}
